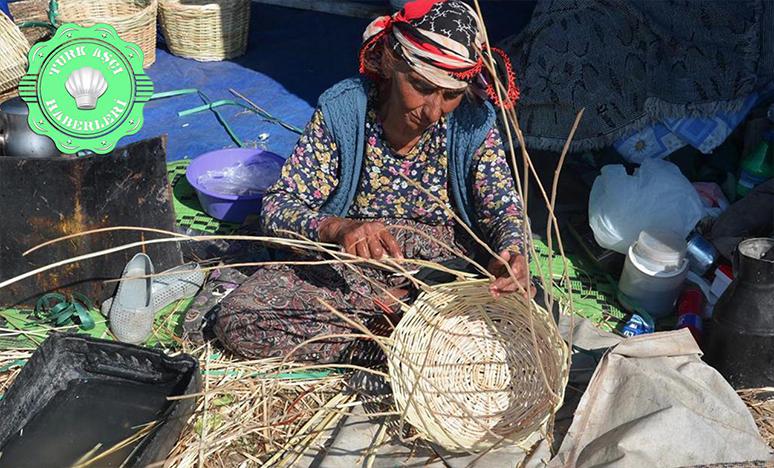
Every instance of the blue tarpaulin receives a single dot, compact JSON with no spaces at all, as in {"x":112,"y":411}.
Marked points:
{"x":292,"y":56}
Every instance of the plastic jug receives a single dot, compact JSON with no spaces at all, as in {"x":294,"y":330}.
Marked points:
{"x":654,"y":272}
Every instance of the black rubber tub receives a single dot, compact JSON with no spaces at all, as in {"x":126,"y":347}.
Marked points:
{"x":79,"y":398}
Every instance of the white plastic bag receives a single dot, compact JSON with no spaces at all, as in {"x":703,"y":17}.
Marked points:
{"x":242,"y":180}
{"x":656,"y":197}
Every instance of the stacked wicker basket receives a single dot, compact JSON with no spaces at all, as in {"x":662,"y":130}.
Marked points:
{"x":134,"y":20}
{"x":13,"y":54}
{"x":205,"y":30}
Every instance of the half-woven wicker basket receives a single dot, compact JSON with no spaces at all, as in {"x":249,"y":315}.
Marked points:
{"x":469,"y":371}
{"x":13,"y":54}
{"x":134,"y":20}
{"x":205,"y":30}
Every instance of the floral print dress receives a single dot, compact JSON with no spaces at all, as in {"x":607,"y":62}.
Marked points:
{"x":279,"y":308}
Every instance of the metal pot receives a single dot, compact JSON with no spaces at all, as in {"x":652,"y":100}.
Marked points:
{"x":16,"y":138}
{"x":741,"y":345}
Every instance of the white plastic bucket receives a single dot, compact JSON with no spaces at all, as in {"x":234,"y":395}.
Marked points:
{"x":654,"y":273}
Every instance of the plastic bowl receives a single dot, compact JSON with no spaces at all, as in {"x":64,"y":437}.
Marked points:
{"x":228,"y":207}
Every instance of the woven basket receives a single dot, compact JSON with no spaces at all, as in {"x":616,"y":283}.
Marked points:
{"x":464,"y":367}
{"x":205,"y":30}
{"x":31,"y":10}
{"x":134,"y":20}
{"x":13,"y":54}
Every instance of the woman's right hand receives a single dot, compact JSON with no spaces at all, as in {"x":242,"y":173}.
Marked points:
{"x":364,"y":239}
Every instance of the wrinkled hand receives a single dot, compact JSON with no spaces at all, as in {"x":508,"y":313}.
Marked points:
{"x":364,"y":239}
{"x":504,"y":282}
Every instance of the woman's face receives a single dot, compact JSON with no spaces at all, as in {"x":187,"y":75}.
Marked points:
{"x":418,"y":102}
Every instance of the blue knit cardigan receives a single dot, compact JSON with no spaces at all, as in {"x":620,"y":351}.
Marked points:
{"x":344,"y":110}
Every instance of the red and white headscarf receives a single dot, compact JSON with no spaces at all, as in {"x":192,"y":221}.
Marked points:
{"x":442,"y":40}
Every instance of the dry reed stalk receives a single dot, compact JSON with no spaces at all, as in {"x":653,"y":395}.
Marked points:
{"x":11,"y":362}
{"x":251,"y":407}
{"x":760,"y":402}
{"x":510,"y":119}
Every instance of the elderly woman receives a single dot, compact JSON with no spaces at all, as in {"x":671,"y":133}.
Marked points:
{"x":382,"y":168}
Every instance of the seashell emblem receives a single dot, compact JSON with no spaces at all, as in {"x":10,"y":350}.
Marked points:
{"x":86,"y":85}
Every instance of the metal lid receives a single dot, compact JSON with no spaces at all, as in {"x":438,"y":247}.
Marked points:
{"x":14,"y":106}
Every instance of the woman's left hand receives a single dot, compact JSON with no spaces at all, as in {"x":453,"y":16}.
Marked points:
{"x":504,"y":282}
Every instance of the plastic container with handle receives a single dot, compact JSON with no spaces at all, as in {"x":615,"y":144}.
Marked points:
{"x":653,"y":273}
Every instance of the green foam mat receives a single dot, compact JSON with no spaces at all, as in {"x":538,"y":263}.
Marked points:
{"x":22,"y":331}
{"x":189,"y":212}
{"x":591,"y":292}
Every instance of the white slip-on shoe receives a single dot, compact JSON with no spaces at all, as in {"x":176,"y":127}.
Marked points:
{"x":177,"y":283}
{"x":131,"y":310}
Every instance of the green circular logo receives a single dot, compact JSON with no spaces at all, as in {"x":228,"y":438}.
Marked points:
{"x":85,"y":88}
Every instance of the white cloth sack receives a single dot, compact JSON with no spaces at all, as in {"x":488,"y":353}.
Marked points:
{"x":653,"y":402}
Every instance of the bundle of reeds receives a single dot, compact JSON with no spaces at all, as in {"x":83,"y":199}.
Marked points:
{"x":250,"y":410}
{"x":760,"y":402}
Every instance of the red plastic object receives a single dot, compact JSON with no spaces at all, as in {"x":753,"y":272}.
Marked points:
{"x":689,"y":311}
{"x":690,"y":302}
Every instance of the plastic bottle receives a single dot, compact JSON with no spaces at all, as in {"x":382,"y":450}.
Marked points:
{"x":758,"y":166}
{"x":690,"y":311}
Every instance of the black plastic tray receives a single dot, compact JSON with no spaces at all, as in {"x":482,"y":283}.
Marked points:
{"x":79,"y":394}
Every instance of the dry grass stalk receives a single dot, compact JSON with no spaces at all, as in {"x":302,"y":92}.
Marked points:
{"x":250,"y":407}
{"x":760,"y":402}
{"x":11,"y":362}
{"x":255,"y":409}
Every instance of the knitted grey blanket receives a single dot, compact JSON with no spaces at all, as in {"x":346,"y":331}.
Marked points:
{"x":634,"y":62}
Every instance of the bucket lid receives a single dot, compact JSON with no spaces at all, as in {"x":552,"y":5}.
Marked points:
{"x":660,"y":251}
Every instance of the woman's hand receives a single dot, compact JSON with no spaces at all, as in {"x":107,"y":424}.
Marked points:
{"x":505,"y":283}
{"x":364,"y":239}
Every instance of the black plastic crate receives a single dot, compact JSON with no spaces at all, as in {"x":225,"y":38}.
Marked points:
{"x":78,"y":395}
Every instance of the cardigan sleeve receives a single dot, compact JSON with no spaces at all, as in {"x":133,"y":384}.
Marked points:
{"x":308,"y":178}
{"x":496,"y":201}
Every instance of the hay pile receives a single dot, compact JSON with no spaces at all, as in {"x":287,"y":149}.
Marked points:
{"x":251,"y":411}
{"x":760,"y":401}
{"x":248,"y":413}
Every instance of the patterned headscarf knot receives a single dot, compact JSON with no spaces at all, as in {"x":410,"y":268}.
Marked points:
{"x":443,"y":41}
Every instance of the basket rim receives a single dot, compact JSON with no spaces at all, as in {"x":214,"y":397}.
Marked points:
{"x":213,"y":5}
{"x":96,"y":19}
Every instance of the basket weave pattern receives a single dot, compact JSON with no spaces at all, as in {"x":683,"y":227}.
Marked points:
{"x":30,"y":10}
{"x":134,"y":20}
{"x":205,"y":30}
{"x":13,"y":54}
{"x":465,"y":367}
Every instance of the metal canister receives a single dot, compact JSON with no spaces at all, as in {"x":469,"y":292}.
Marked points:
{"x":16,"y":138}
{"x":702,"y":255}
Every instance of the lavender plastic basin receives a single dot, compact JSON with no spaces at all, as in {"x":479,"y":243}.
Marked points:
{"x":226,"y":207}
